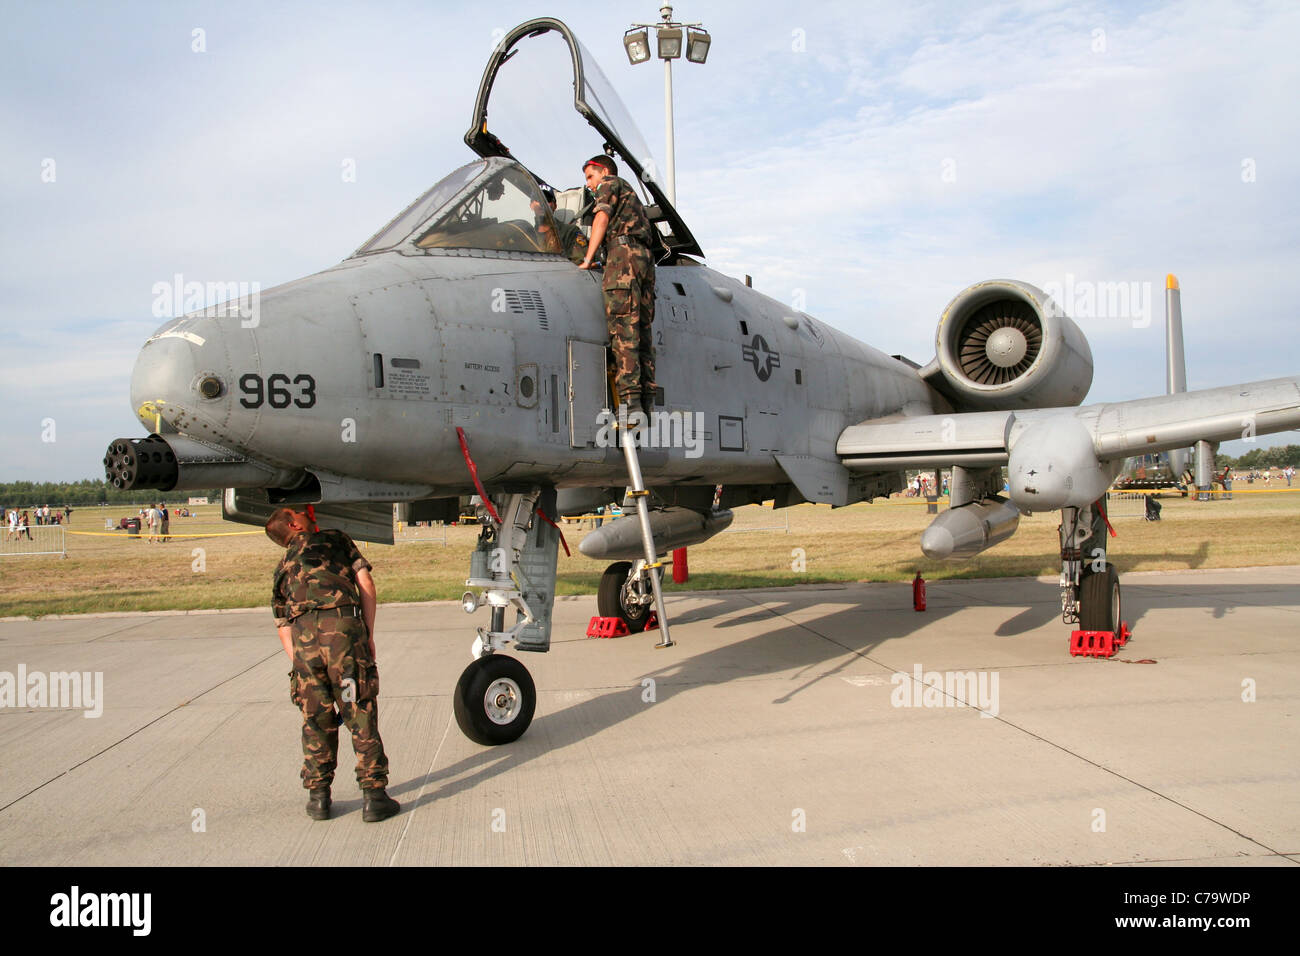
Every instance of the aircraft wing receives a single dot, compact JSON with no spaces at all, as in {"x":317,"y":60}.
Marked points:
{"x":1176,"y":421}
{"x":1118,"y":429}
{"x":1065,"y":456}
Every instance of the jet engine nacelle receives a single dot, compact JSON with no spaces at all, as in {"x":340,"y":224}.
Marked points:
{"x":1003,"y":345}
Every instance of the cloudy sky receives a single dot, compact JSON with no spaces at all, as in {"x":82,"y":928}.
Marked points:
{"x":865,"y":161}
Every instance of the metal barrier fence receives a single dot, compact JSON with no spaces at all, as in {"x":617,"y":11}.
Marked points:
{"x":34,"y":540}
{"x":759,"y":518}
{"x":1127,"y":504}
{"x":434,"y":532}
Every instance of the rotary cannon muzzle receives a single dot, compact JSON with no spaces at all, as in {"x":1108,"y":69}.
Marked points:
{"x":177,"y":463}
{"x":138,"y":463}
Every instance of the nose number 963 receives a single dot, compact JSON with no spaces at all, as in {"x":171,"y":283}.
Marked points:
{"x":279,"y":391}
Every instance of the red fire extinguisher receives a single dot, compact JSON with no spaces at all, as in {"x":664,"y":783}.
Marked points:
{"x":918,"y":592}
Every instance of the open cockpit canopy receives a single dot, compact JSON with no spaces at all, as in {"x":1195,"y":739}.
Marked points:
{"x":544,"y":101}
{"x":549,"y":99}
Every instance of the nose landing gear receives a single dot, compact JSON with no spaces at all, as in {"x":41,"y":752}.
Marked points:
{"x":513,"y":565}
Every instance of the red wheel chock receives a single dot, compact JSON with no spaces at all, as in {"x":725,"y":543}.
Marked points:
{"x":607,"y":627}
{"x":1099,"y":643}
{"x":616,"y":626}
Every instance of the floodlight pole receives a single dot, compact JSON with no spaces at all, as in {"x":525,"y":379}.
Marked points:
{"x":670,"y":173}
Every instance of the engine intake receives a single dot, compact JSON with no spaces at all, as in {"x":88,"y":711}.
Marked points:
{"x":1003,"y":345}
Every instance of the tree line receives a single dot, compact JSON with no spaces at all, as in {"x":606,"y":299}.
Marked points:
{"x":1259,"y":458}
{"x":90,"y":491}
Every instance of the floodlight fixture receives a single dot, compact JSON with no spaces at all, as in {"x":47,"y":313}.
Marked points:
{"x":670,"y":43}
{"x":637,"y":44}
{"x":697,"y":45}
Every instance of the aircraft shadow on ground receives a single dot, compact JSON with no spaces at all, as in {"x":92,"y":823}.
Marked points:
{"x":845,"y":636}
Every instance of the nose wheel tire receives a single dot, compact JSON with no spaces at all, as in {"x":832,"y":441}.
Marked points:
{"x":494,"y":701}
{"x":1099,"y":600}
{"x":612,"y":598}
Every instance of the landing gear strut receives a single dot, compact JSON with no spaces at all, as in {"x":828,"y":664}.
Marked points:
{"x":513,"y":566}
{"x":1090,"y":592}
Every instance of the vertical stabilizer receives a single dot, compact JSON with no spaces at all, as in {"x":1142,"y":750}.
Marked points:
{"x":1175,"y":361}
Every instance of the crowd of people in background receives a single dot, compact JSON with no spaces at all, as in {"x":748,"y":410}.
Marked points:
{"x":156,"y":517}
{"x":18,"y":522}
{"x":923,"y":486}
{"x":1266,"y":476}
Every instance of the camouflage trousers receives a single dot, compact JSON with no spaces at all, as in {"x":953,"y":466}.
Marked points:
{"x":629,"y":290}
{"x":332,"y":665}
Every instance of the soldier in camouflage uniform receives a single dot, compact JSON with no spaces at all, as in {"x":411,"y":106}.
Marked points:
{"x":323,"y":599}
{"x":621,"y":226}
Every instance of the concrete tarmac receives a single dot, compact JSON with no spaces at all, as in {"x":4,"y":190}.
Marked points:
{"x":775,"y":732}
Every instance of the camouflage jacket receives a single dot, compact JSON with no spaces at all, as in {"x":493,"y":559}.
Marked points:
{"x":572,"y":242}
{"x":626,"y":214}
{"x":319,"y":570}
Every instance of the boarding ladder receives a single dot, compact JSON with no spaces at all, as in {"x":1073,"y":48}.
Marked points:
{"x":637,"y":492}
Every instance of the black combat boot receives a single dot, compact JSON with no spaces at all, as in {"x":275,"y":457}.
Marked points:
{"x":377,"y":805}
{"x":318,"y":803}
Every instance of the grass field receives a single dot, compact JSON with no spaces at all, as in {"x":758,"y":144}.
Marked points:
{"x":865,"y":542}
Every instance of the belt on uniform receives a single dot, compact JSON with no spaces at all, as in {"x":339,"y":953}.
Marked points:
{"x":347,"y":610}
{"x":629,"y":241}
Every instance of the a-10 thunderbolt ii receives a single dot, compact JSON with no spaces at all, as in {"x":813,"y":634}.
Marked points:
{"x":459,"y":352}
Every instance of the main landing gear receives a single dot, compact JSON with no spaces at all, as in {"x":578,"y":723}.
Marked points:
{"x":625,"y":591}
{"x":1090,"y":592}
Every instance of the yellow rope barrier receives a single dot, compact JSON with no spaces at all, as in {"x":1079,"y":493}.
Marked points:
{"x":144,"y":533}
{"x":1216,"y":490}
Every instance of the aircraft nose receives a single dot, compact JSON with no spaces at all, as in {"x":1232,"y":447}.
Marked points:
{"x":166,"y":376}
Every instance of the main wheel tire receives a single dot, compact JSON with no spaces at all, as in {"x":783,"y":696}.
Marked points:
{"x":1099,"y":600}
{"x":494,"y":700}
{"x":610,"y":598}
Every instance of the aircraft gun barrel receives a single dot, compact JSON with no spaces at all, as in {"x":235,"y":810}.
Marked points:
{"x":183,"y":464}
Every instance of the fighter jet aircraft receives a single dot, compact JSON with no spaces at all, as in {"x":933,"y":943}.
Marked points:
{"x":460,"y":352}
